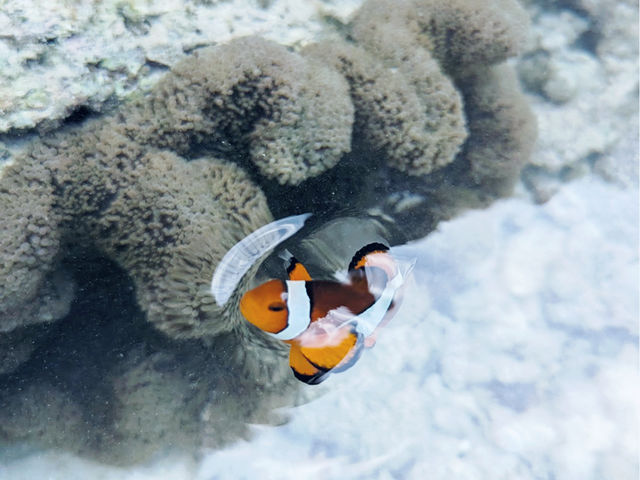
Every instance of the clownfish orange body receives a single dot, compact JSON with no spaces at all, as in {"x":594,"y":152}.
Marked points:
{"x":327,"y":323}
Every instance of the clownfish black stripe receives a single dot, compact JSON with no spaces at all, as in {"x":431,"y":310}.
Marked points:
{"x":310,"y":379}
{"x":310,"y":294}
{"x":292,"y":264}
{"x":296,"y":271}
{"x":315,"y":365}
{"x":366,"y":250}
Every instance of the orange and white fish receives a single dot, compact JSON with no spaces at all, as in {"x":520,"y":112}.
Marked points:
{"x":327,"y":323}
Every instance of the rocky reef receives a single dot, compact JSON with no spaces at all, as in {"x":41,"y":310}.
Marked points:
{"x":112,"y":228}
{"x":581,"y":68}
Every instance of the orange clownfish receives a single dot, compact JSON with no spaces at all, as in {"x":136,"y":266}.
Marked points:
{"x":327,"y":323}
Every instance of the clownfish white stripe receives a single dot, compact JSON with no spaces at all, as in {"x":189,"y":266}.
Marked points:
{"x":299,"y":307}
{"x":368,"y":321}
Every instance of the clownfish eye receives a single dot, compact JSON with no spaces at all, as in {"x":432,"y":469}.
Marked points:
{"x":276,"y":306}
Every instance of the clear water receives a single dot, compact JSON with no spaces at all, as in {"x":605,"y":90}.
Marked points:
{"x":514,"y":353}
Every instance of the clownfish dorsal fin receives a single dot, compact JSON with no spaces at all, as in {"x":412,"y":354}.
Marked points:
{"x":296,"y":271}
{"x":359,"y":260}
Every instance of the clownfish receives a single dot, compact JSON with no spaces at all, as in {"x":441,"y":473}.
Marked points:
{"x":327,"y":323}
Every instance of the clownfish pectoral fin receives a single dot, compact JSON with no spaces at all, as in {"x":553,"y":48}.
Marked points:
{"x":359,"y":260}
{"x":296,"y":271}
{"x":304,"y":370}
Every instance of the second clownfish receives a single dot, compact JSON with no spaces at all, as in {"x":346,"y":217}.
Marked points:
{"x":327,"y":323}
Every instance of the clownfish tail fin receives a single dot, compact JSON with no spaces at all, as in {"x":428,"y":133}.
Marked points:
{"x":359,"y":259}
{"x":296,"y":271}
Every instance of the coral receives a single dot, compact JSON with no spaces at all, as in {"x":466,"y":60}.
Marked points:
{"x":465,"y":38}
{"x":291,"y":115}
{"x":30,"y":242}
{"x":407,"y":120}
{"x":501,"y":129}
{"x":459,"y":33}
{"x":440,"y":123}
{"x":414,"y":120}
{"x":144,"y":218}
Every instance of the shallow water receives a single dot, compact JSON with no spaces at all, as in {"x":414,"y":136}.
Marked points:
{"x":513,"y":355}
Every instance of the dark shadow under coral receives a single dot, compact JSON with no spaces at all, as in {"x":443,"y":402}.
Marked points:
{"x":105,"y":383}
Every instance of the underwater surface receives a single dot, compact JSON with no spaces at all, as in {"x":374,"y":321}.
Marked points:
{"x":514,"y":351}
